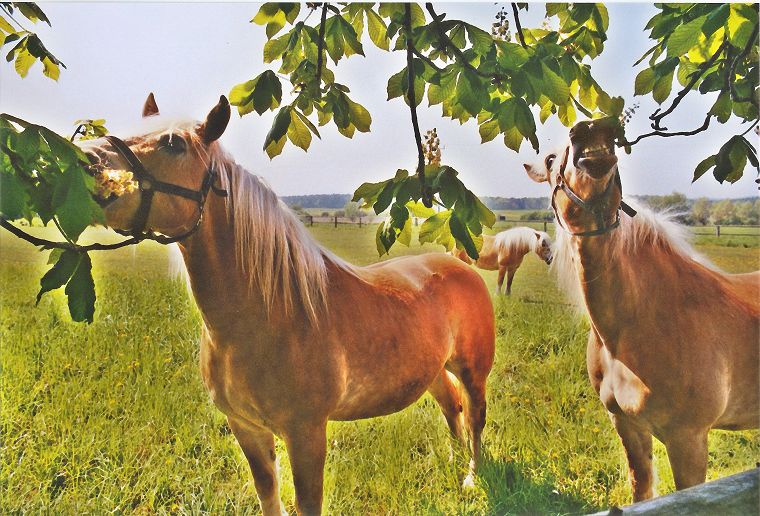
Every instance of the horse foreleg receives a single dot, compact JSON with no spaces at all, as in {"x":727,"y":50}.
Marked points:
{"x":687,"y":453}
{"x":307,"y":447}
{"x":446,"y":392}
{"x":258,"y":446}
{"x":500,"y":282}
{"x":638,"y":449}
{"x":510,"y":277}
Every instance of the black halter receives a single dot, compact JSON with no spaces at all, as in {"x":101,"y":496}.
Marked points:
{"x":597,"y":205}
{"x":149,"y":185}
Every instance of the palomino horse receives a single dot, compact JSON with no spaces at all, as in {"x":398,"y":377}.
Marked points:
{"x":505,"y":252}
{"x":292,"y":335}
{"x":673,"y":350}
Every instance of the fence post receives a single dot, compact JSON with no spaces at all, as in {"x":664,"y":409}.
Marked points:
{"x":336,"y":221}
{"x":311,"y":220}
{"x":544,"y":226}
{"x":360,"y":222}
{"x":717,"y":230}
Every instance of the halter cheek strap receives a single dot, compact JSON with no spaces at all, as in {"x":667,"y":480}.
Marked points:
{"x":149,"y":185}
{"x":597,"y":205}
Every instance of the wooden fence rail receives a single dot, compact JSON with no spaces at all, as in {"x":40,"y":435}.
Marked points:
{"x":734,"y":230}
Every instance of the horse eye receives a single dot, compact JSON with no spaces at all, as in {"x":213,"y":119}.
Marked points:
{"x":550,"y":160}
{"x":172,"y":143}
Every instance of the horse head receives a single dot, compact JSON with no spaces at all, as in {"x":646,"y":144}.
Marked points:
{"x":584,"y":178}
{"x":544,"y":247}
{"x":165,"y":175}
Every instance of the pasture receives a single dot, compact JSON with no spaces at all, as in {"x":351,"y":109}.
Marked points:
{"x":113,"y":416}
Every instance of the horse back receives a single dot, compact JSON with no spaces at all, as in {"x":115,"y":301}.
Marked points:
{"x":746,"y":289}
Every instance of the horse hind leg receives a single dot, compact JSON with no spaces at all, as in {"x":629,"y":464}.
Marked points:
{"x":445,"y":390}
{"x":258,"y":446}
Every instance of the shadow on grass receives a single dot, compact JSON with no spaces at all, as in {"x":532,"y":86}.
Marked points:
{"x":511,"y":490}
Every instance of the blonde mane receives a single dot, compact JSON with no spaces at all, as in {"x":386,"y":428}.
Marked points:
{"x":647,"y":228}
{"x":273,"y":249}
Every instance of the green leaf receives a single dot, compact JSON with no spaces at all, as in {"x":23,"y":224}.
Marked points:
{"x":368,"y":192}
{"x":739,"y":27}
{"x":24,"y":61}
{"x":705,"y":165}
{"x":267,"y":93}
{"x":685,"y":36}
{"x":73,"y":202}
{"x":567,"y":115}
{"x":405,"y":235}
{"x":378,"y":31}
{"x":462,"y":234}
{"x":644,"y":82}
{"x":419,"y":210}
{"x":524,"y":118}
{"x":662,"y":87}
{"x":554,"y":86}
{"x":385,"y":197}
{"x":279,"y":127}
{"x":360,"y":117}
{"x":722,"y":107}
{"x":308,"y":123}
{"x":470,"y":92}
{"x":394,"y":84}
{"x":275,"y":147}
{"x":12,"y":196}
{"x":513,"y":138}
{"x":59,"y":273}
{"x":298,"y":133}
{"x":432,"y":228}
{"x":80,"y":291}
{"x":715,"y":20}
{"x":50,"y":69}
{"x":511,"y":56}
{"x":488,"y":130}
{"x":481,"y":41}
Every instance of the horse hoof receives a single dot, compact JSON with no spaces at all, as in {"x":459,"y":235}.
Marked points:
{"x":469,"y":481}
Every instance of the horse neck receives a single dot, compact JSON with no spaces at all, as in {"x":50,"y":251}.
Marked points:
{"x":605,"y":284}
{"x":220,"y":289}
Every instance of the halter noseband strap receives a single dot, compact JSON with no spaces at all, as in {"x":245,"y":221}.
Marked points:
{"x":597,"y":205}
{"x":149,"y":185}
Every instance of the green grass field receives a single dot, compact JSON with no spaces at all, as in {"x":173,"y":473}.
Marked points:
{"x":112,"y":416}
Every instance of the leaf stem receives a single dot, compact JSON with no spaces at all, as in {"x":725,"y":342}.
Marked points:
{"x":321,"y":45}
{"x":732,"y":70}
{"x":518,"y":26}
{"x":427,"y":197}
{"x":657,"y":117}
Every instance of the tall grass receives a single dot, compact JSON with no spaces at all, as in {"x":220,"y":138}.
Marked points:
{"x":113,"y":416}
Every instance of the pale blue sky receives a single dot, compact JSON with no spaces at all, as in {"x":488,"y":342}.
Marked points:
{"x":190,"y":53}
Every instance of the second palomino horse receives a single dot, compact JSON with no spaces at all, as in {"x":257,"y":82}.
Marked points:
{"x":505,"y":252}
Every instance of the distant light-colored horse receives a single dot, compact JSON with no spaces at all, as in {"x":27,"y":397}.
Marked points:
{"x":292,"y":335}
{"x":505,"y":252}
{"x":674,"y":349}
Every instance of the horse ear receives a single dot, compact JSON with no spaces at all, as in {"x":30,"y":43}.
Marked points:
{"x":535,"y":175}
{"x":538,"y":236}
{"x":150,"y":108}
{"x":216,"y":121}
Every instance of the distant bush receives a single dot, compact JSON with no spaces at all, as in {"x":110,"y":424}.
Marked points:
{"x":537,"y":215}
{"x":325,"y":214}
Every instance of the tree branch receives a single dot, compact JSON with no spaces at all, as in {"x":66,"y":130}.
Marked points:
{"x":321,"y":45}
{"x":518,"y":26}
{"x":48,"y":244}
{"x":445,"y":40}
{"x":732,"y":71}
{"x":657,"y":117}
{"x":699,"y":129}
{"x":427,"y":196}
{"x":426,"y":59}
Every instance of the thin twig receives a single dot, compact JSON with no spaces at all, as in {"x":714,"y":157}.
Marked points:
{"x":427,"y":198}
{"x":752,"y":126}
{"x":320,"y":46}
{"x":657,"y":116}
{"x":444,"y":39}
{"x":426,"y":59}
{"x":518,"y":26}
{"x":699,"y":129}
{"x":48,"y":244}
{"x":732,"y":71}
{"x":14,"y":19}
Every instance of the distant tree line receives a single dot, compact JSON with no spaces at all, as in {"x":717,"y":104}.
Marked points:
{"x":337,"y":201}
{"x":704,"y":211}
